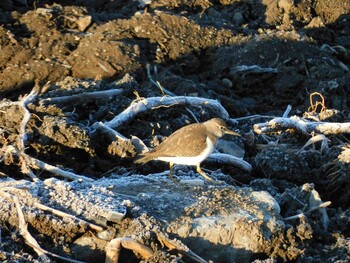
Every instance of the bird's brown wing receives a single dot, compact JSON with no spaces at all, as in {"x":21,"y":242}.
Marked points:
{"x":192,"y":135}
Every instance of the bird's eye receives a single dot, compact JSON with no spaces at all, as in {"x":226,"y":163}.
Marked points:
{"x":222,"y":128}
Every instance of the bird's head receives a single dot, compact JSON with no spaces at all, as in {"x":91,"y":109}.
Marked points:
{"x":219,"y":128}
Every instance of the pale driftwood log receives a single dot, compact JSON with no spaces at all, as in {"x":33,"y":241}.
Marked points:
{"x":279,"y":123}
{"x":329,"y":128}
{"x":114,"y":247}
{"x":146,"y":104}
{"x":83,"y":96}
{"x":302,"y":126}
{"x":222,"y":158}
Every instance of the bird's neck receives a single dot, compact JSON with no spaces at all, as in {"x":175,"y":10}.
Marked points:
{"x":213,"y":138}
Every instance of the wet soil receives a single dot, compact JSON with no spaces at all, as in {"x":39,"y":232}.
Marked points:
{"x":255,"y":57}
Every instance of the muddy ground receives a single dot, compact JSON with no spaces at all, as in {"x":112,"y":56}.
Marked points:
{"x":255,"y":57}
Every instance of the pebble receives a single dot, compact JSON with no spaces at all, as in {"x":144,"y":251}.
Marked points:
{"x":227,"y":83}
{"x":238,"y":19}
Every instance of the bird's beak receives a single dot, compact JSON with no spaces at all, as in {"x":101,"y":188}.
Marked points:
{"x":227,"y":131}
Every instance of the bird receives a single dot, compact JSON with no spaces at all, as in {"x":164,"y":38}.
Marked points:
{"x":189,"y":145}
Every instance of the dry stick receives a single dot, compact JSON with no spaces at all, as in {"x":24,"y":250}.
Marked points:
{"x":84,"y":96}
{"x":156,"y":102}
{"x":322,"y":205}
{"x":63,"y":214}
{"x":287,"y":111}
{"x":47,"y":167}
{"x":114,"y":246}
{"x":57,"y":171}
{"x":25,"y":233}
{"x":157,"y":84}
{"x":254,"y":69}
{"x":192,"y":114}
{"x":252,"y":117}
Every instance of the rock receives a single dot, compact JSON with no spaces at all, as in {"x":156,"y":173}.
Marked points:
{"x":227,"y":83}
{"x":222,"y":224}
{"x":238,"y":18}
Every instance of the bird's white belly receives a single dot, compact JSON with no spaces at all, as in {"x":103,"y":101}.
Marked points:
{"x":195,"y":160}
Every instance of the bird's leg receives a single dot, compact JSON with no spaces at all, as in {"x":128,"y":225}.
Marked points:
{"x":199,"y":170}
{"x":171,"y":165}
{"x":171,"y":170}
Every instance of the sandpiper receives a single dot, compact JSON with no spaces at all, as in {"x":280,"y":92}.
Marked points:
{"x":190,"y":145}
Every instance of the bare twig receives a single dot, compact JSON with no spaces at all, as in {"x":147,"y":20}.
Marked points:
{"x":157,"y":84}
{"x":287,"y":111}
{"x":63,"y":214}
{"x":253,"y":69}
{"x":192,"y":114}
{"x":301,"y":215}
{"x":314,"y":139}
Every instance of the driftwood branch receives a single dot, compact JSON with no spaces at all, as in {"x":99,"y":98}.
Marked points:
{"x":83,"y":96}
{"x":222,"y":158}
{"x":146,"y":104}
{"x":33,"y":162}
{"x":302,"y":126}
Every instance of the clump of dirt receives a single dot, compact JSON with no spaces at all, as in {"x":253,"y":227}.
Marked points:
{"x":90,"y":60}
